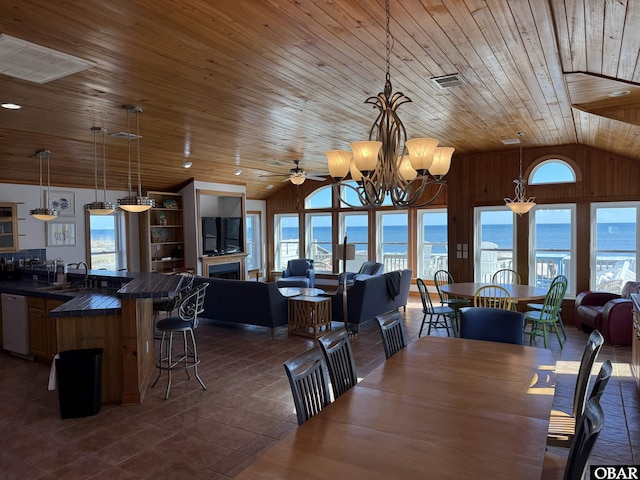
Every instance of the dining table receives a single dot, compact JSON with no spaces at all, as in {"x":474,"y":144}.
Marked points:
{"x":440,"y":408}
{"x":518,"y":293}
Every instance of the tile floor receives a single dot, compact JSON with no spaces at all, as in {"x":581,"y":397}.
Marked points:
{"x":215,"y":434}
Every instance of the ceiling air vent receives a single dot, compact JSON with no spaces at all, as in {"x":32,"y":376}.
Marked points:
{"x":511,"y":141}
{"x":35,"y":63}
{"x":448,"y":81}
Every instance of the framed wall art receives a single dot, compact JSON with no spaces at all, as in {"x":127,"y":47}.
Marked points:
{"x":60,"y":234}
{"x":63,"y":202}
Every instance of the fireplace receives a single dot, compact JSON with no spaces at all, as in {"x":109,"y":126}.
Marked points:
{"x":224,"y":266}
{"x":225,"y":270}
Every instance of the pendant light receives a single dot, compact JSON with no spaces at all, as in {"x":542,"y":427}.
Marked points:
{"x":520,"y":203}
{"x":134,"y":203}
{"x":103,"y":207}
{"x":44,"y":212}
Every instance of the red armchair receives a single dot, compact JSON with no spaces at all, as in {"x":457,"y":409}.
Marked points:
{"x":609,"y":312}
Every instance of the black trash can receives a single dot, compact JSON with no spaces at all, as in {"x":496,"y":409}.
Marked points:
{"x":79,"y":379}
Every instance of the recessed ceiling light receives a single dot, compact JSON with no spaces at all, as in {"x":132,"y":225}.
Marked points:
{"x":269,"y":187}
{"x":237,"y":172}
{"x":11,"y":106}
{"x":620,"y":93}
{"x":187,"y":164}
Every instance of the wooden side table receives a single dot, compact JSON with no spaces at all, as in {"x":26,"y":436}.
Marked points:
{"x":309,"y":316}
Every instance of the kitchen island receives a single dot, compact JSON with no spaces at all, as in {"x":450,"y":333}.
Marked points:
{"x":118,"y":320}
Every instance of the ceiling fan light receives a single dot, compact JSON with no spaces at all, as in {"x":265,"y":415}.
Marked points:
{"x":421,"y":152}
{"x":365,"y":154}
{"x":297,"y":180}
{"x":441,"y":161}
{"x":338,"y":162}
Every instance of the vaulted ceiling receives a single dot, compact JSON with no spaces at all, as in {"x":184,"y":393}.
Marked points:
{"x":256,"y":84}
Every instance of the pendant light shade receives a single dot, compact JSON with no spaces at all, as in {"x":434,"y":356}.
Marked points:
{"x":134,"y":203}
{"x":100,"y":207}
{"x":44,"y":212}
{"x":520,"y":203}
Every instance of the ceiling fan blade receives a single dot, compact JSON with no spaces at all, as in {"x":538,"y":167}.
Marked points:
{"x":313,"y":177}
{"x":274,"y":175}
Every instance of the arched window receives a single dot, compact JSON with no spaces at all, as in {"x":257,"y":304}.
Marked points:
{"x":320,"y":198}
{"x":552,"y":170}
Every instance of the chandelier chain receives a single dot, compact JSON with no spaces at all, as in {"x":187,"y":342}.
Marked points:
{"x":388,"y":43}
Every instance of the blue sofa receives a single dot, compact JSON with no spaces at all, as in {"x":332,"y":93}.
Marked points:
{"x":240,"y":301}
{"x":369,"y":297}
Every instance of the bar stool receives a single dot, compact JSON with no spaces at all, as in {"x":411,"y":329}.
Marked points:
{"x":186,"y":322}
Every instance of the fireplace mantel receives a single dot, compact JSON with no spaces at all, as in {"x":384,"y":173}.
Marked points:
{"x":222,"y":259}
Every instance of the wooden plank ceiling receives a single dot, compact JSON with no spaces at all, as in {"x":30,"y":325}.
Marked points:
{"x":256,"y":84}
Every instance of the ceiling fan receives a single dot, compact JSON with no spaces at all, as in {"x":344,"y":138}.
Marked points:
{"x":297,"y":175}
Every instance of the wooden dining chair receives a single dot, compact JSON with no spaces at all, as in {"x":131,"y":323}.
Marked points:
{"x":392,"y":331}
{"x":491,"y":324}
{"x":507,"y":276}
{"x":337,"y":352}
{"x":309,"y":381}
{"x":538,"y":306}
{"x":492,"y":296}
{"x":556,"y":467}
{"x":443,"y":277}
{"x":438,"y":316}
{"x":547,"y":317}
{"x":562,"y":426}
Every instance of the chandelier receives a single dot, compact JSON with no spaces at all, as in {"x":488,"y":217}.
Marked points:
{"x":44,"y":212}
{"x":133,"y":203}
{"x":520,"y":203}
{"x":388,"y":164}
{"x":96,"y":207}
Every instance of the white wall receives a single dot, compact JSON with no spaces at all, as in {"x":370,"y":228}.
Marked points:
{"x":32,"y":232}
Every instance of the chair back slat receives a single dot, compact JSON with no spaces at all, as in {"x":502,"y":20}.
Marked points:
{"x":308,"y":378}
{"x":442,"y":277}
{"x":392,"y":332}
{"x":338,"y":354}
{"x":192,"y":304}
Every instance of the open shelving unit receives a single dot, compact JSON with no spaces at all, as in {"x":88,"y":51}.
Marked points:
{"x":162,"y":231}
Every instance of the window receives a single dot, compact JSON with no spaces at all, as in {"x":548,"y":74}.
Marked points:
{"x":552,"y":171}
{"x":432,"y":242}
{"x":254,"y":245}
{"x":494,"y":242}
{"x":393,"y":238}
{"x":320,"y":198}
{"x":615,"y":243}
{"x":552,"y":245}
{"x":106,"y":241}
{"x":356,"y":227}
{"x":319,"y":241}
{"x":287,"y":239}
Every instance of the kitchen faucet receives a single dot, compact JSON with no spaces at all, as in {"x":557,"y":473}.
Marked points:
{"x":77,"y":266}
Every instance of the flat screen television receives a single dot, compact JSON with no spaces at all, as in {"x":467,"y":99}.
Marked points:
{"x":222,"y":235}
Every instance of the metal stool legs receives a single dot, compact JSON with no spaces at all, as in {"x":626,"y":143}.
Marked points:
{"x":187,"y":359}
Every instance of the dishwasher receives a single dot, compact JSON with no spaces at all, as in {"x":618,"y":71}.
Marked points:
{"x":15,"y":323}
